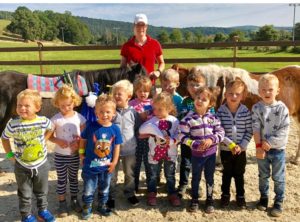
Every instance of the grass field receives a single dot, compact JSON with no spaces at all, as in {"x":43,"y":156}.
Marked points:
{"x":114,"y":54}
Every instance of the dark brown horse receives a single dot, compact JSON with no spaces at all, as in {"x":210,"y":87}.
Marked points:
{"x":12,"y":82}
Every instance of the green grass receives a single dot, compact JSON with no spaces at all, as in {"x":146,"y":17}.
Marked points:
{"x":3,"y":24}
{"x":115,"y":54}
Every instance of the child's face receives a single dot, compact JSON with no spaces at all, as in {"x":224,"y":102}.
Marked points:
{"x":268,"y":90}
{"x":160,"y":111}
{"x":201,"y":102}
{"x":193,"y":86}
{"x":66,"y":106}
{"x":26,"y":108}
{"x":142,"y":94}
{"x":121,"y":97}
{"x":234,"y":95}
{"x":169,"y":86}
{"x":105,"y":114}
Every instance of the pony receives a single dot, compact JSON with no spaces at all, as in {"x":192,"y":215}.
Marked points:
{"x":289,"y":84}
{"x":13,"y":82}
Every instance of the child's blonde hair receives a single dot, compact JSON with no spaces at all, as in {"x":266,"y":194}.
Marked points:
{"x":211,"y":92}
{"x":196,"y":76}
{"x":34,"y":95}
{"x":268,"y":78}
{"x":170,"y":75}
{"x":123,"y":84}
{"x":233,"y":84}
{"x":104,"y":99}
{"x":66,"y":92}
{"x":143,"y":82}
{"x":165,"y":99}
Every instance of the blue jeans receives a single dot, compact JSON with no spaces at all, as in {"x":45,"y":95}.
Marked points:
{"x":208,"y":164}
{"x":185,"y":164}
{"x":274,"y":159}
{"x":90,"y":184}
{"x":169,"y":170}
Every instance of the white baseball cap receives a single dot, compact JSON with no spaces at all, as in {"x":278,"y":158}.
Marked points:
{"x":140,"y":18}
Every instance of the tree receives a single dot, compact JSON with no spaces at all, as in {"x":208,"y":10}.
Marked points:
{"x":297,"y":31}
{"x":163,"y":37}
{"x":176,"y":36}
{"x":238,"y":33}
{"x":189,"y":36}
{"x":220,"y":37}
{"x":267,"y":33}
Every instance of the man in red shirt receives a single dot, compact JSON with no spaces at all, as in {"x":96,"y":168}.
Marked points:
{"x":143,"y":49}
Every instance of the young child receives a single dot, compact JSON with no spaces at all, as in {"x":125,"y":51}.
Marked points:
{"x":29,"y":132}
{"x":143,"y":105}
{"x":195,"y":80}
{"x":237,"y":123}
{"x":99,"y":148}
{"x":163,"y":128}
{"x":270,"y":123}
{"x":68,"y":125}
{"x":202,"y":131}
{"x":169,"y":81}
{"x":129,"y":122}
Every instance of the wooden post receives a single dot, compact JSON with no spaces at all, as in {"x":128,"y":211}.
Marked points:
{"x":40,"y":45}
{"x":235,"y":40}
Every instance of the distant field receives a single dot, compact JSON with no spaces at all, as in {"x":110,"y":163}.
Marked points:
{"x":115,"y":54}
{"x":3,"y":24}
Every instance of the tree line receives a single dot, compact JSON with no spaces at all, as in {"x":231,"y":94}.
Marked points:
{"x":49,"y":25}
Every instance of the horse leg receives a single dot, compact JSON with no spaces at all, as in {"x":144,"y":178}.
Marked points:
{"x":296,"y":159}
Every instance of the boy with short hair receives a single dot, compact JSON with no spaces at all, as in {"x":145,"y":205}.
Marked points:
{"x":270,"y":123}
{"x":128,"y":119}
{"x":99,"y":148}
{"x":29,"y":132}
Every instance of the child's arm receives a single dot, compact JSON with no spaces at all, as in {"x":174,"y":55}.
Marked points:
{"x":82,"y":145}
{"x":62,"y":143}
{"x":114,"y":162}
{"x":7,"y":148}
{"x":74,"y":145}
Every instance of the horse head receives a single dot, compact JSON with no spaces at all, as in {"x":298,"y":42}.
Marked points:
{"x":135,"y":71}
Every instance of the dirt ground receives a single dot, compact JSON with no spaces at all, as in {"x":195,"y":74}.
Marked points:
{"x":163,"y":211}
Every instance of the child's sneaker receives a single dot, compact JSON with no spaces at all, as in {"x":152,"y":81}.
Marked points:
{"x":133,"y":200}
{"x":29,"y":218}
{"x":104,"y":210}
{"x":174,"y":200}
{"x":194,"y":205}
{"x":241,"y":202}
{"x":225,"y":200}
{"x":263,"y":204}
{"x":75,"y":205}
{"x":276,"y":210}
{"x":86,"y":212}
{"x":111,"y":204}
{"x":209,"y":206}
{"x":151,"y":199}
{"x":46,"y":216}
{"x":63,"y":209}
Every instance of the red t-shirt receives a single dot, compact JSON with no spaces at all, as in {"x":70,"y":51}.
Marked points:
{"x":145,"y":55}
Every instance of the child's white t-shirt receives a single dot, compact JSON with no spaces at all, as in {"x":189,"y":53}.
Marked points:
{"x":67,"y":128}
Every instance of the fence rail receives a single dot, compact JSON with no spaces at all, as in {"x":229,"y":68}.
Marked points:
{"x":234,"y":59}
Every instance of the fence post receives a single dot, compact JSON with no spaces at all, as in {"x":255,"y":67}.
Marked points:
{"x":40,"y":45}
{"x":235,"y":40}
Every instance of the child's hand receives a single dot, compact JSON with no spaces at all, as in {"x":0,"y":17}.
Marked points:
{"x":206,"y":144}
{"x":81,"y":156}
{"x":111,"y":167}
{"x":236,"y":150}
{"x":62,"y":143}
{"x":167,"y":139}
{"x":12,"y":159}
{"x":260,"y":153}
{"x":265,"y":145}
{"x":74,"y":145}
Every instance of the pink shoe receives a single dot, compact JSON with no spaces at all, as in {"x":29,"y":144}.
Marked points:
{"x":151,"y":201}
{"x":174,"y":200}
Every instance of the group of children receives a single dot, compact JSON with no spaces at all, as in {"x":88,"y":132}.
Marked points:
{"x":150,"y":131}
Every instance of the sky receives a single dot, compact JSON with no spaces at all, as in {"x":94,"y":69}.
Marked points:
{"x":176,"y":14}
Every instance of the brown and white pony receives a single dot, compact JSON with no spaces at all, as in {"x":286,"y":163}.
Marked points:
{"x":289,"y":83}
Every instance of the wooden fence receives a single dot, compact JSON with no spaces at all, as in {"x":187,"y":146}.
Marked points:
{"x":234,"y":59}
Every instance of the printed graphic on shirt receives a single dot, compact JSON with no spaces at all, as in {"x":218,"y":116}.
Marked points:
{"x":102,"y":150}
